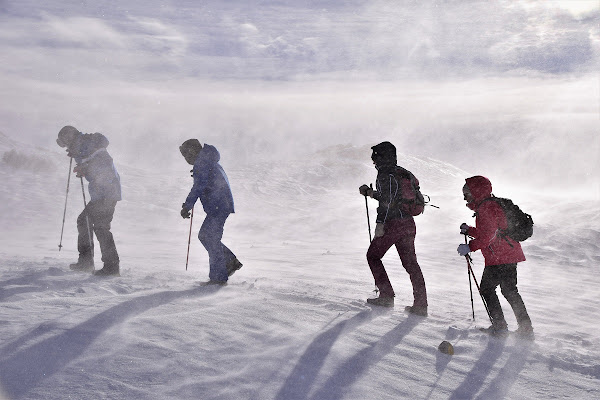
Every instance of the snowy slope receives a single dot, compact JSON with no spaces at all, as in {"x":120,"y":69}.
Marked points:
{"x":292,"y":323}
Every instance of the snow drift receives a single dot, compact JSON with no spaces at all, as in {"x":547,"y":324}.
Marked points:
{"x":292,"y":323}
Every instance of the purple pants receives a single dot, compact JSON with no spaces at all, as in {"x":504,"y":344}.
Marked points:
{"x":401,"y":233}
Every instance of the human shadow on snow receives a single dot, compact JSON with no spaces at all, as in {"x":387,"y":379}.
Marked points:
{"x":499,"y":387}
{"x":502,"y":383}
{"x":300,"y":381}
{"x":482,"y":368}
{"x":350,"y":371}
{"x":32,"y":282}
{"x":25,"y":369}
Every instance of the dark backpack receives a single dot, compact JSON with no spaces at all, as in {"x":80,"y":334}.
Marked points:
{"x":412,"y":200}
{"x":520,"y":224}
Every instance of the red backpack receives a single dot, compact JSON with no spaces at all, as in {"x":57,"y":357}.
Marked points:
{"x":411,"y":200}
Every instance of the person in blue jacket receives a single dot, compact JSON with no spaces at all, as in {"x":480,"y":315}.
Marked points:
{"x":211,"y":186}
{"x":95,"y":165}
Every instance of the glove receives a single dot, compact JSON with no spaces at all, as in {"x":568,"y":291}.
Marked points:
{"x":379,"y":230}
{"x":185,"y":213}
{"x":464,"y":228}
{"x":463,"y":249}
{"x":80,"y":170}
{"x":366,"y":190}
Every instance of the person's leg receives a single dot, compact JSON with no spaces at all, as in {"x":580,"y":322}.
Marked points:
{"x":210,"y":235}
{"x":85,"y":247}
{"x":102,"y":216}
{"x":227,"y":254}
{"x":231,"y":262}
{"x":489,"y":282}
{"x":379,"y":246}
{"x":406,"y":250}
{"x":508,"y":287}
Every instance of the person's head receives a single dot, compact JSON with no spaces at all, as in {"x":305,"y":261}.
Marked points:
{"x":190,"y":150}
{"x":66,"y":136}
{"x":476,"y":189}
{"x":384,"y":154}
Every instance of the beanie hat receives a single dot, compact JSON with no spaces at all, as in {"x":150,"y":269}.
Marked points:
{"x":66,"y":136}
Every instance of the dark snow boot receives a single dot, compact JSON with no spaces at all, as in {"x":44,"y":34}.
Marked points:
{"x":233,"y":266}
{"x":499,"y":332}
{"x":417,"y":310}
{"x":381,"y":301}
{"x":525,"y":331}
{"x":108,"y":270}
{"x":84,"y":264}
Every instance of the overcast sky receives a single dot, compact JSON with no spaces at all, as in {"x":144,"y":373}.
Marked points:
{"x":486,"y":78}
{"x":139,"y":40}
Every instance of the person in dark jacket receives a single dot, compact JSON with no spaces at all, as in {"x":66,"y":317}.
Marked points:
{"x":501,"y":254}
{"x":211,"y":186}
{"x":95,"y":165}
{"x":396,"y":227}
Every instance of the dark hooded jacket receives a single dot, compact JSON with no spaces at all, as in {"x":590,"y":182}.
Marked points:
{"x":389,"y":193}
{"x":211,"y":185}
{"x":489,"y":220}
{"x":92,"y":158}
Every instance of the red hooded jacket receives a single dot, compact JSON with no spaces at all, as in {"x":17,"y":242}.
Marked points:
{"x":490,"y":218}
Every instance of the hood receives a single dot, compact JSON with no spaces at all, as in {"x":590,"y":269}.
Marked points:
{"x":384,"y":154}
{"x":480,"y":188}
{"x":209,"y":153}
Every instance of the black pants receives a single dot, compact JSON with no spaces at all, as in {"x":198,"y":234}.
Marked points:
{"x":504,"y":275}
{"x":99,"y":216}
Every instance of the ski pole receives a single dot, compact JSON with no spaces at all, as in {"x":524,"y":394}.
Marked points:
{"x":189,"y":240}
{"x":87,"y":220}
{"x":65,"y":211}
{"x":368,"y":219}
{"x":478,"y":288}
{"x":470,"y":285}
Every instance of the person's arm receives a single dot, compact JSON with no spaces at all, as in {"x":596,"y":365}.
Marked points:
{"x":200,"y":174}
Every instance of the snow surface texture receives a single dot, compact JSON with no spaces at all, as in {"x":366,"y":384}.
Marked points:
{"x":293,"y":322}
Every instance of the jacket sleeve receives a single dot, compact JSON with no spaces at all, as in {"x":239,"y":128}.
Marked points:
{"x":472,"y":231}
{"x":200,"y":180}
{"x":488,"y":220}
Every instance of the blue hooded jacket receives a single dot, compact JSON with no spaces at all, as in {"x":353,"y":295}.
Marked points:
{"x":89,"y":152}
{"x":211,"y":185}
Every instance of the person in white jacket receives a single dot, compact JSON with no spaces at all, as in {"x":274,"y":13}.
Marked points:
{"x":95,"y":165}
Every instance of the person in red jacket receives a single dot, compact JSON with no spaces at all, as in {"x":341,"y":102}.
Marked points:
{"x":501,"y":254}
